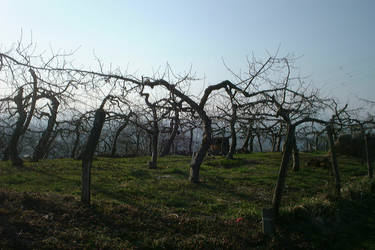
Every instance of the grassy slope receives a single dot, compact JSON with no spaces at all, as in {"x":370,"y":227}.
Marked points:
{"x":134,"y":207}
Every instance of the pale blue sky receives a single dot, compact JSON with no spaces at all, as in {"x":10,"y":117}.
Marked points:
{"x":335,"y":37}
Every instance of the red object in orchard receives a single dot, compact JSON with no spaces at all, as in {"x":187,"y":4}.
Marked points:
{"x":238,"y":220}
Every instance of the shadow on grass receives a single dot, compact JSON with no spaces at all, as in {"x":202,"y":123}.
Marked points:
{"x":345,"y":224}
{"x":65,"y":224}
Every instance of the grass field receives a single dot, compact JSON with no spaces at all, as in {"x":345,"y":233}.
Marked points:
{"x":134,"y":207}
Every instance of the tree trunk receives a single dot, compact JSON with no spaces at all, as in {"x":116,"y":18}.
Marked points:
{"x":88,"y":154}
{"x":154,"y":149}
{"x":19,"y":130}
{"x":251,"y":150}
{"x":75,"y":144}
{"x":233,"y":145}
{"x":296,"y":162}
{"x":150,"y":144}
{"x":223,"y":145}
{"x":198,"y":159}
{"x":308,"y":144}
{"x":168,"y":144}
{"x":279,"y":138}
{"x":6,"y":154}
{"x":259,"y":143}
{"x":335,"y":169}
{"x":23,"y":121}
{"x":273,"y":142}
{"x":118,"y":132}
{"x":316,"y":143}
{"x":276,"y":200}
{"x":12,"y":148}
{"x":42,"y":147}
{"x":155,"y":138}
{"x":370,"y":170}
{"x":138,"y":136}
{"x":191,"y":141}
{"x":245,"y":146}
{"x":49,"y":144}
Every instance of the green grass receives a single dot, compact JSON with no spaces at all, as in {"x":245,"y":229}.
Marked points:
{"x":136,"y":207}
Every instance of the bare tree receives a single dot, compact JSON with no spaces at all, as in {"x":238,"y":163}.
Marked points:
{"x":24,"y":118}
{"x":199,"y":108}
{"x":18,"y":66}
{"x":164,"y":106}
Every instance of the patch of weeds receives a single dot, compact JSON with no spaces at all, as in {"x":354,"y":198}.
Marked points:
{"x":227,"y":163}
{"x":140,"y":174}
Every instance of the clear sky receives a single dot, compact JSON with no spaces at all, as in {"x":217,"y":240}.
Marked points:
{"x":336,"y":38}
